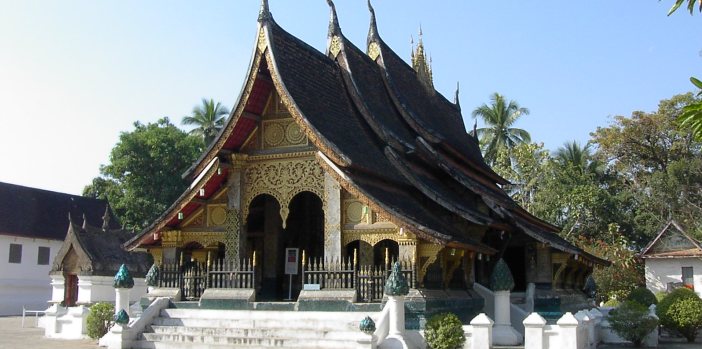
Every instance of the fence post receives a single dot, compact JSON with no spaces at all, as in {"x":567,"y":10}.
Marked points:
{"x":534,"y":331}
{"x":482,"y":332}
{"x":587,"y":325}
{"x":568,"y":331}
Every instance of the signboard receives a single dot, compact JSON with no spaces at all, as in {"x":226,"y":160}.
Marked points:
{"x":311,"y":287}
{"x":291,"y":260}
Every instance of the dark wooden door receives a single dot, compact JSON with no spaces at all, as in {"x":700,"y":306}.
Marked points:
{"x":71,"y":290}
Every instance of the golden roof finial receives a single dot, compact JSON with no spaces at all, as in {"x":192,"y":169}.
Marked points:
{"x":265,"y":13}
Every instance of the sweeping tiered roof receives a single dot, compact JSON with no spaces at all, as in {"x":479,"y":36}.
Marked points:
{"x":397,"y":145}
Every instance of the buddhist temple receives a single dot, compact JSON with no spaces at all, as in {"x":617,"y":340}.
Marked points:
{"x":334,"y":164}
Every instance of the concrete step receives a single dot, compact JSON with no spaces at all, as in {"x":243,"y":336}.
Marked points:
{"x":299,"y":324}
{"x":260,"y":314}
{"x":143,"y":344}
{"x":257,"y":332}
{"x":247,"y":341}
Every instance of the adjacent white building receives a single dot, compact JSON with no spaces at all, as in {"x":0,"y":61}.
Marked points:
{"x":673,"y":259}
{"x":33,"y":225}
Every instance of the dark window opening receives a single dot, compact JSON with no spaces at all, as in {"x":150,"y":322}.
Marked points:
{"x":15,"y":253}
{"x":687,"y":278}
{"x":43,"y":255}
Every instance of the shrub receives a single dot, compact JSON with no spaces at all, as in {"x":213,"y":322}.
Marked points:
{"x":632,"y":322}
{"x":444,"y":331}
{"x":660,"y":295}
{"x":99,"y":319}
{"x":612,"y":303}
{"x":643,"y":296}
{"x":681,"y":312}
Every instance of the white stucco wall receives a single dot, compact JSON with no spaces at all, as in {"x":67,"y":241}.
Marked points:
{"x":26,"y":283}
{"x":661,"y":271}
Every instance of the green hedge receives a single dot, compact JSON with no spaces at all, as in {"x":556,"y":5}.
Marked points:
{"x":444,"y":331}
{"x":632,"y":322}
{"x":100,"y":319}
{"x":681,"y":312}
{"x":643,"y":296}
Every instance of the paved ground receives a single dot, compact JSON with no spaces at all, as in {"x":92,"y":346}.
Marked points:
{"x":13,"y":336}
{"x":661,"y":345}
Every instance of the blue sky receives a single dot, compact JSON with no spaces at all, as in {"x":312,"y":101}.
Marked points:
{"x":74,"y":74}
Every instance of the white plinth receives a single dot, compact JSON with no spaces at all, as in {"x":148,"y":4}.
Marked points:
{"x":122,"y":300}
{"x":503,"y":333}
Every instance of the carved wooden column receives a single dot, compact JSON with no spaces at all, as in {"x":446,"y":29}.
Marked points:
{"x":235,"y":239}
{"x":332,"y":218}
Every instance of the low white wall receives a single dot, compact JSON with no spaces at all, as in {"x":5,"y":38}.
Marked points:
{"x":65,"y":323}
{"x":93,"y":289}
{"x":661,"y":271}
{"x":26,"y":283}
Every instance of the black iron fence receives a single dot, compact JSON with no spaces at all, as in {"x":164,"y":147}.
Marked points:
{"x":193,"y":278}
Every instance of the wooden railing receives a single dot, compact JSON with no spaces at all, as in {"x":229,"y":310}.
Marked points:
{"x":224,"y":274}
{"x":345,"y":273}
{"x":192,"y":279}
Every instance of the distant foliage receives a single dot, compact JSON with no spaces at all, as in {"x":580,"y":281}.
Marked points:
{"x":617,"y":281}
{"x":643,"y":296}
{"x":143,"y":177}
{"x":632,"y":322}
{"x":681,"y":312}
{"x":444,"y":331}
{"x":100,"y":319}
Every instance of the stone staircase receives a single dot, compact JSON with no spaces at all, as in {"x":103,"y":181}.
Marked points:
{"x":199,"y":328}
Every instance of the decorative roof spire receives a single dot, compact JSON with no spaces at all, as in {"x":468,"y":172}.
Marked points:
{"x":373,"y":29}
{"x":265,"y":13}
{"x":421,"y":65}
{"x":106,"y":218}
{"x":85,"y":221}
{"x":334,"y":28}
{"x":456,"y":100}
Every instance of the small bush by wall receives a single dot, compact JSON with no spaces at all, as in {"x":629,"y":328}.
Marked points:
{"x":643,"y":296}
{"x":99,"y":319}
{"x":681,"y":312}
{"x":444,"y":331}
{"x":632,"y":322}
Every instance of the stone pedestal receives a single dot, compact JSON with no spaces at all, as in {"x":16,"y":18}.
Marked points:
{"x":568,"y":325}
{"x":396,"y":313}
{"x":534,"y":331}
{"x":122,"y":300}
{"x":503,"y":333}
{"x":482,"y":331}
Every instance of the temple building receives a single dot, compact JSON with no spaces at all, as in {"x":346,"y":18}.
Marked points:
{"x":334,"y":164}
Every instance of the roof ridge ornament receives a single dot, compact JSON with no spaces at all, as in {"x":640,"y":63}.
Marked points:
{"x":373,"y":29}
{"x":106,"y":218}
{"x":334,"y":28}
{"x":265,"y":13}
{"x":456,"y":100}
{"x":334,"y":33}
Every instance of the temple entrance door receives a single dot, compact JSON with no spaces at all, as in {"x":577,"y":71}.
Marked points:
{"x":263,"y":227}
{"x":70,"y":293}
{"x":304,"y":230}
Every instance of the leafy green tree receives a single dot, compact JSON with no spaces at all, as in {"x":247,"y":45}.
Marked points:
{"x":577,"y":156}
{"x":691,"y":117}
{"x":144,"y":174}
{"x":655,"y":169}
{"x":208,"y":118}
{"x":498,"y":132}
{"x":525,"y":166}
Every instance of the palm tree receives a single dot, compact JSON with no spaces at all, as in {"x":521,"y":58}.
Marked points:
{"x":208,"y":119}
{"x":577,"y":156}
{"x":498,"y":117}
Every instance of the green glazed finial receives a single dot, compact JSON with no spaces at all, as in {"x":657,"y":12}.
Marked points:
{"x":501,"y":278}
{"x":397,"y":283}
{"x":152,"y":276}
{"x":590,"y":287}
{"x":367,"y":325}
{"x":121,"y":318}
{"x":123,"y":279}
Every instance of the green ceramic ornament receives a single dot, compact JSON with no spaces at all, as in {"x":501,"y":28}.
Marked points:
{"x":501,"y":278}
{"x":121,"y":318}
{"x":123,"y":279}
{"x":367,"y":325}
{"x":397,"y":283}
{"x":152,"y":276}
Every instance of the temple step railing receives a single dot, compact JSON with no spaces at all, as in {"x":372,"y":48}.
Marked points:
{"x":193,"y":278}
{"x":338,"y":273}
{"x":226,"y":274}
{"x":345,"y":273}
